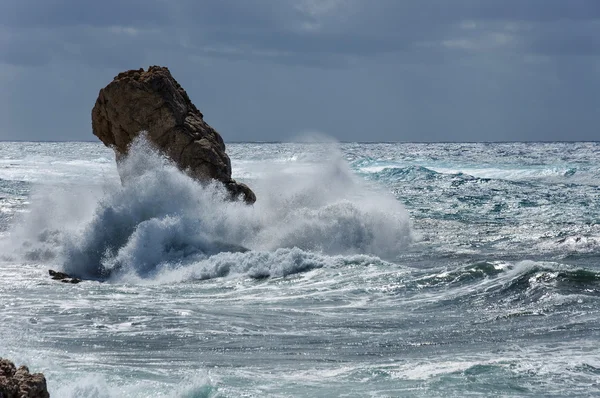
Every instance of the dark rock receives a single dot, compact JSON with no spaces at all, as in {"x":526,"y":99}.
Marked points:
{"x":19,"y":383}
{"x":58,"y":275}
{"x":61,"y":276}
{"x":154,"y":102}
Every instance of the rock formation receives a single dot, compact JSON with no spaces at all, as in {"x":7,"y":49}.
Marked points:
{"x":19,"y":383}
{"x":154,"y":102}
{"x":61,"y":276}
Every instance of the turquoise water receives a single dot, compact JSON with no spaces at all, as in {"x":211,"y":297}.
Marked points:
{"x":377,"y":270}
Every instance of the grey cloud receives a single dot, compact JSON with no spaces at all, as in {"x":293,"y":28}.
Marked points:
{"x":61,"y":13}
{"x":281,"y":31}
{"x":358,"y":69}
{"x":29,"y":49}
{"x":562,"y":38}
{"x":532,"y":10}
{"x":411,"y":28}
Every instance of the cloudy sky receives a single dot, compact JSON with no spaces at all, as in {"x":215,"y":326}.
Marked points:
{"x":357,"y":70}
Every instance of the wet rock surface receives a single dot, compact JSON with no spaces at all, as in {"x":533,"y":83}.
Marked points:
{"x":61,"y":276}
{"x":152,"y":101}
{"x":19,"y":383}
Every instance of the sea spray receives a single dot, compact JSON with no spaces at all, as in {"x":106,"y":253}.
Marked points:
{"x":257,"y":264}
{"x":162,"y":219}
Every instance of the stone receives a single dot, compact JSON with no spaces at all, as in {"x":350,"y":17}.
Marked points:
{"x":152,"y":101}
{"x":61,"y":276}
{"x":19,"y":383}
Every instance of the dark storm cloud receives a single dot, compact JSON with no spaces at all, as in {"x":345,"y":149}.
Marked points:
{"x":61,"y":13}
{"x":564,"y":38}
{"x":291,"y":29}
{"x":485,"y":69}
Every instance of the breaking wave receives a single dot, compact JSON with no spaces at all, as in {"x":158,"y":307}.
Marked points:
{"x":498,"y":282}
{"x":162,"y":219}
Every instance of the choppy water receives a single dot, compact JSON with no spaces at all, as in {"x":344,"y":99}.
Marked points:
{"x":376,"y":270}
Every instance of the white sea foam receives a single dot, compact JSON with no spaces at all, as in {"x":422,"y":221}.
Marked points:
{"x":507,"y":173}
{"x":95,"y":386}
{"x":516,"y":173}
{"x":162,"y":219}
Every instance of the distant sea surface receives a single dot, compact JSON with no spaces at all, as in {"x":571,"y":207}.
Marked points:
{"x":372,"y":270}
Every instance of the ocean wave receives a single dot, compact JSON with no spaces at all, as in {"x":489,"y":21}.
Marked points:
{"x":510,"y":173}
{"x":410,"y":173}
{"x":253,"y":264}
{"x":537,"y":280}
{"x":524,"y":281}
{"x":465,"y":274}
{"x":96,"y":386}
{"x":163,"y":219}
{"x":428,"y":170}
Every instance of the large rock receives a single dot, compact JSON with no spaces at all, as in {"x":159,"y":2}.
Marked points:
{"x":154,"y":102}
{"x":19,"y":383}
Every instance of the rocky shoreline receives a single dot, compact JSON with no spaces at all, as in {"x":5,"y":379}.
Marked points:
{"x":19,"y":383}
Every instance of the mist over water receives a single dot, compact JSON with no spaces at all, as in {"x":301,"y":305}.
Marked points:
{"x":370,"y":270}
{"x":161,"y":219}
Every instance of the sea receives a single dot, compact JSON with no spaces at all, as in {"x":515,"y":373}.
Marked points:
{"x":362,"y":270}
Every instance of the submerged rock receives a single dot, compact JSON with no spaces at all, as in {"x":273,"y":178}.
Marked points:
{"x":153,"y":101}
{"x":19,"y":383}
{"x":61,"y":276}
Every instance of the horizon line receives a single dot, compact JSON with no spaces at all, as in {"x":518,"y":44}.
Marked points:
{"x":344,"y":142}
